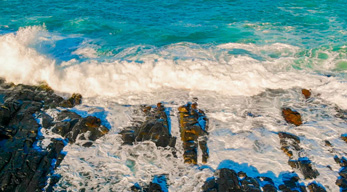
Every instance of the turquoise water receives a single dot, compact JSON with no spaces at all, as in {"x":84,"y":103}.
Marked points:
{"x":115,"y":24}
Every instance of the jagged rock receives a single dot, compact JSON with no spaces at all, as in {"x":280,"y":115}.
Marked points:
{"x":24,"y":166}
{"x":267,"y":184}
{"x":155,"y":128}
{"x":74,"y":100}
{"x":72,"y":126}
{"x":306,"y":93}
{"x":227,"y":180}
{"x":193,"y":125}
{"x":288,"y":143}
{"x":341,"y":161}
{"x":305,"y":166}
{"x":248,"y":183}
{"x":157,"y":185}
{"x":291,"y":183}
{"x":26,"y":170}
{"x":291,"y":116}
{"x":314,"y":187}
{"x":210,"y":185}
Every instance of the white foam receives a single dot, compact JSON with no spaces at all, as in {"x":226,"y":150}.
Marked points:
{"x":182,"y":66}
{"x":237,"y":140}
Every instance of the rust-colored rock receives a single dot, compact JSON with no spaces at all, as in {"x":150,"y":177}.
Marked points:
{"x":291,"y":116}
{"x":306,"y":93}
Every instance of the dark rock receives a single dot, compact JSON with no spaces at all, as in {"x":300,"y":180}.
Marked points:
{"x":305,"y":166}
{"x":227,"y":180}
{"x":284,"y":135}
{"x":343,"y":172}
{"x":157,"y":185}
{"x":24,"y":166}
{"x":291,"y":116}
{"x":289,"y":143}
{"x":72,"y":126}
{"x":341,"y":182}
{"x":155,"y":128}
{"x":210,"y":185}
{"x":344,"y":137}
{"x":327,"y":143}
{"x":341,"y":161}
{"x":74,"y":100}
{"x":291,"y":183}
{"x":314,"y":187}
{"x":267,"y":184}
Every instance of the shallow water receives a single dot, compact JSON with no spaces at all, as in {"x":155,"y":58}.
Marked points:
{"x":243,"y":60}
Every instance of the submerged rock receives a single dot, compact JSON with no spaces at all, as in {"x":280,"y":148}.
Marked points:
{"x":291,"y":116}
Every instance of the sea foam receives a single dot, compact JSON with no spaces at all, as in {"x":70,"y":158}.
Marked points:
{"x":226,"y":69}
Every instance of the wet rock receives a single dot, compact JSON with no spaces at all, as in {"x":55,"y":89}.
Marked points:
{"x":305,"y":166}
{"x":344,"y":137}
{"x":267,"y":184}
{"x":289,"y":143}
{"x":210,"y":185}
{"x":157,"y":185}
{"x":24,"y":166}
{"x":291,"y":116}
{"x":193,"y":125}
{"x":72,"y":126}
{"x":291,"y":183}
{"x":227,"y":180}
{"x":314,"y":187}
{"x":341,"y":161}
{"x":306,"y":93}
{"x":248,"y":183}
{"x":154,"y":128}
{"x":327,"y":143}
{"x":342,"y":179}
{"x":74,"y":100}
{"x":341,"y":113}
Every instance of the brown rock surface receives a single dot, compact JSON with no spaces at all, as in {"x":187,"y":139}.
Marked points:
{"x":306,"y":93}
{"x":291,"y":116}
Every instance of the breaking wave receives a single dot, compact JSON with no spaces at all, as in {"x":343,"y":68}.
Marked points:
{"x":73,"y":64}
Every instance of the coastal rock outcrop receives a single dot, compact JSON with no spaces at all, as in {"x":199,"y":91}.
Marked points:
{"x":193,"y":125}
{"x":154,"y":127}
{"x":24,"y":165}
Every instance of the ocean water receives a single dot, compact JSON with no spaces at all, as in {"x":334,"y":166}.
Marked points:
{"x":237,"y":57}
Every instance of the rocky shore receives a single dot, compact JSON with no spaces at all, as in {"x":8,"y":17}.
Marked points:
{"x":25,"y":165}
